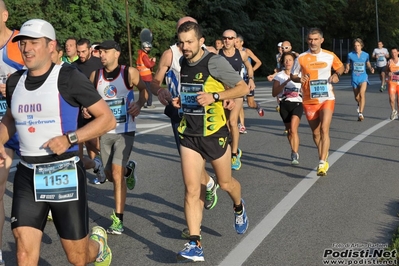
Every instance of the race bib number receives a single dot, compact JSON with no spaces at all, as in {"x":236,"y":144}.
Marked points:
{"x":395,"y":77}
{"x":188,"y":99}
{"x":57,"y":181}
{"x":291,"y":92}
{"x":358,"y":68}
{"x":381,"y":58}
{"x":319,"y":88}
{"x":118,"y":108}
{"x":3,"y":107}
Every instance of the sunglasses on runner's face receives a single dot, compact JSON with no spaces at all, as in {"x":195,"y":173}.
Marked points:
{"x":228,"y":37}
{"x":286,"y":47}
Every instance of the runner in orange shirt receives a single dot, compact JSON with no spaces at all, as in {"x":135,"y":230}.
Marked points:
{"x":392,"y":72}
{"x":313,"y":70}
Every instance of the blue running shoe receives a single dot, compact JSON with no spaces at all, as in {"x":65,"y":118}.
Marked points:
{"x":192,"y":252}
{"x":241,"y":220}
{"x":235,"y":162}
{"x":239,"y":153}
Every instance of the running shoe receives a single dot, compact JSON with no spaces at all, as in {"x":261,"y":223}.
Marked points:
{"x":239,"y":152}
{"x":294,"y":158}
{"x":235,"y":163}
{"x":286,"y":132}
{"x":394,"y":115}
{"x":117,"y":226}
{"x":260,"y":111}
{"x":192,"y":252}
{"x":242,"y":129}
{"x":186,"y":233}
{"x":99,"y":171}
{"x":278,"y":108}
{"x":360,"y":117}
{"x":322,"y":169}
{"x":241,"y":220}
{"x":2,"y":263}
{"x":131,"y":177}
{"x":211,"y":197}
{"x":104,"y":257}
{"x":383,"y":87}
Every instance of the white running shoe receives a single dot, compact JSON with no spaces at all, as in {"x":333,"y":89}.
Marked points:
{"x":394,"y":115}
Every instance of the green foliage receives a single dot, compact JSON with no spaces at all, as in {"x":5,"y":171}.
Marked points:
{"x":262,"y":23}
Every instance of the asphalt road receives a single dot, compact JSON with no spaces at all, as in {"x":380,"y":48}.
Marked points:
{"x":295,"y":217}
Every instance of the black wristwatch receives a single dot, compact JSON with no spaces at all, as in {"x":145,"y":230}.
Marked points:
{"x":72,"y":138}
{"x":216,"y":96}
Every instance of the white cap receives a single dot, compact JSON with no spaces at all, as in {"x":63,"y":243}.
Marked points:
{"x":279,"y":44}
{"x":35,"y":28}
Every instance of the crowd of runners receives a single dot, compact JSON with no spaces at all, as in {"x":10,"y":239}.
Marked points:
{"x":55,"y":104}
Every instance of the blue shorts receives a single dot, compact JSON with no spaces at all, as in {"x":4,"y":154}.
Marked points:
{"x":358,"y":80}
{"x":13,"y":144}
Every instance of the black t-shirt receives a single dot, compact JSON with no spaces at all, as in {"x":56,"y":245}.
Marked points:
{"x":88,"y":66}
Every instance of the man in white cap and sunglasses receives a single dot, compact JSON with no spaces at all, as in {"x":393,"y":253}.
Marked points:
{"x":43,"y":103}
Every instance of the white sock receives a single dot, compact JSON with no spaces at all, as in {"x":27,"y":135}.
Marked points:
{"x":210,"y":183}
{"x":321,"y":162}
{"x":1,"y":255}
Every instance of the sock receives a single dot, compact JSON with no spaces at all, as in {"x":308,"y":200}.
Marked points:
{"x":1,"y":255}
{"x":210,"y":183}
{"x":257,"y":106}
{"x":120,"y":216}
{"x":238,"y":208}
{"x":321,"y":162}
{"x":234,"y":154}
{"x":128,"y":171}
{"x":195,"y":240}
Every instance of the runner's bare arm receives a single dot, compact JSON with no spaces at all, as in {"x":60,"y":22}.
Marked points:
{"x":254,"y":58}
{"x":135,"y":80}
{"x":250,"y":70}
{"x":104,"y":121}
{"x":165,"y":62}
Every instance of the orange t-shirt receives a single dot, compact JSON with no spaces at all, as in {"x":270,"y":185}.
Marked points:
{"x":318,"y":67}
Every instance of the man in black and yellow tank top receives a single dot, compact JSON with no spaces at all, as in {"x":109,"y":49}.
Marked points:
{"x":203,"y":131}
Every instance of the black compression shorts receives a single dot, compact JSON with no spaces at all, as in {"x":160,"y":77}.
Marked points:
{"x":71,"y":218}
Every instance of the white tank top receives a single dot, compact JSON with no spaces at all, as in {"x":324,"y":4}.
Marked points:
{"x":172,"y":77}
{"x":41,"y":114}
{"x":118,"y":98}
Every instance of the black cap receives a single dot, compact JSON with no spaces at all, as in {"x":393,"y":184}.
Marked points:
{"x":109,"y":44}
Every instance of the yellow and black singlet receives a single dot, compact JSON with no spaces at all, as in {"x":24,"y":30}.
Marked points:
{"x":200,"y":120}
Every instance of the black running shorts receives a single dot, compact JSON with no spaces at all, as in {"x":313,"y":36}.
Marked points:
{"x":210,"y":147}
{"x":71,"y":218}
{"x":288,"y":109}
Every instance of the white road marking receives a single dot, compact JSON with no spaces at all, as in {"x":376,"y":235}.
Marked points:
{"x":252,"y":240}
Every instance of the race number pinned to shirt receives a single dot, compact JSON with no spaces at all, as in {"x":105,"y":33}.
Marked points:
{"x":358,"y":68}
{"x":381,"y":58}
{"x":3,"y":106}
{"x":56,"y":181}
{"x":319,"y":88}
{"x":291,"y":92}
{"x":188,"y":99}
{"x":395,"y":77}
{"x":118,"y":108}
